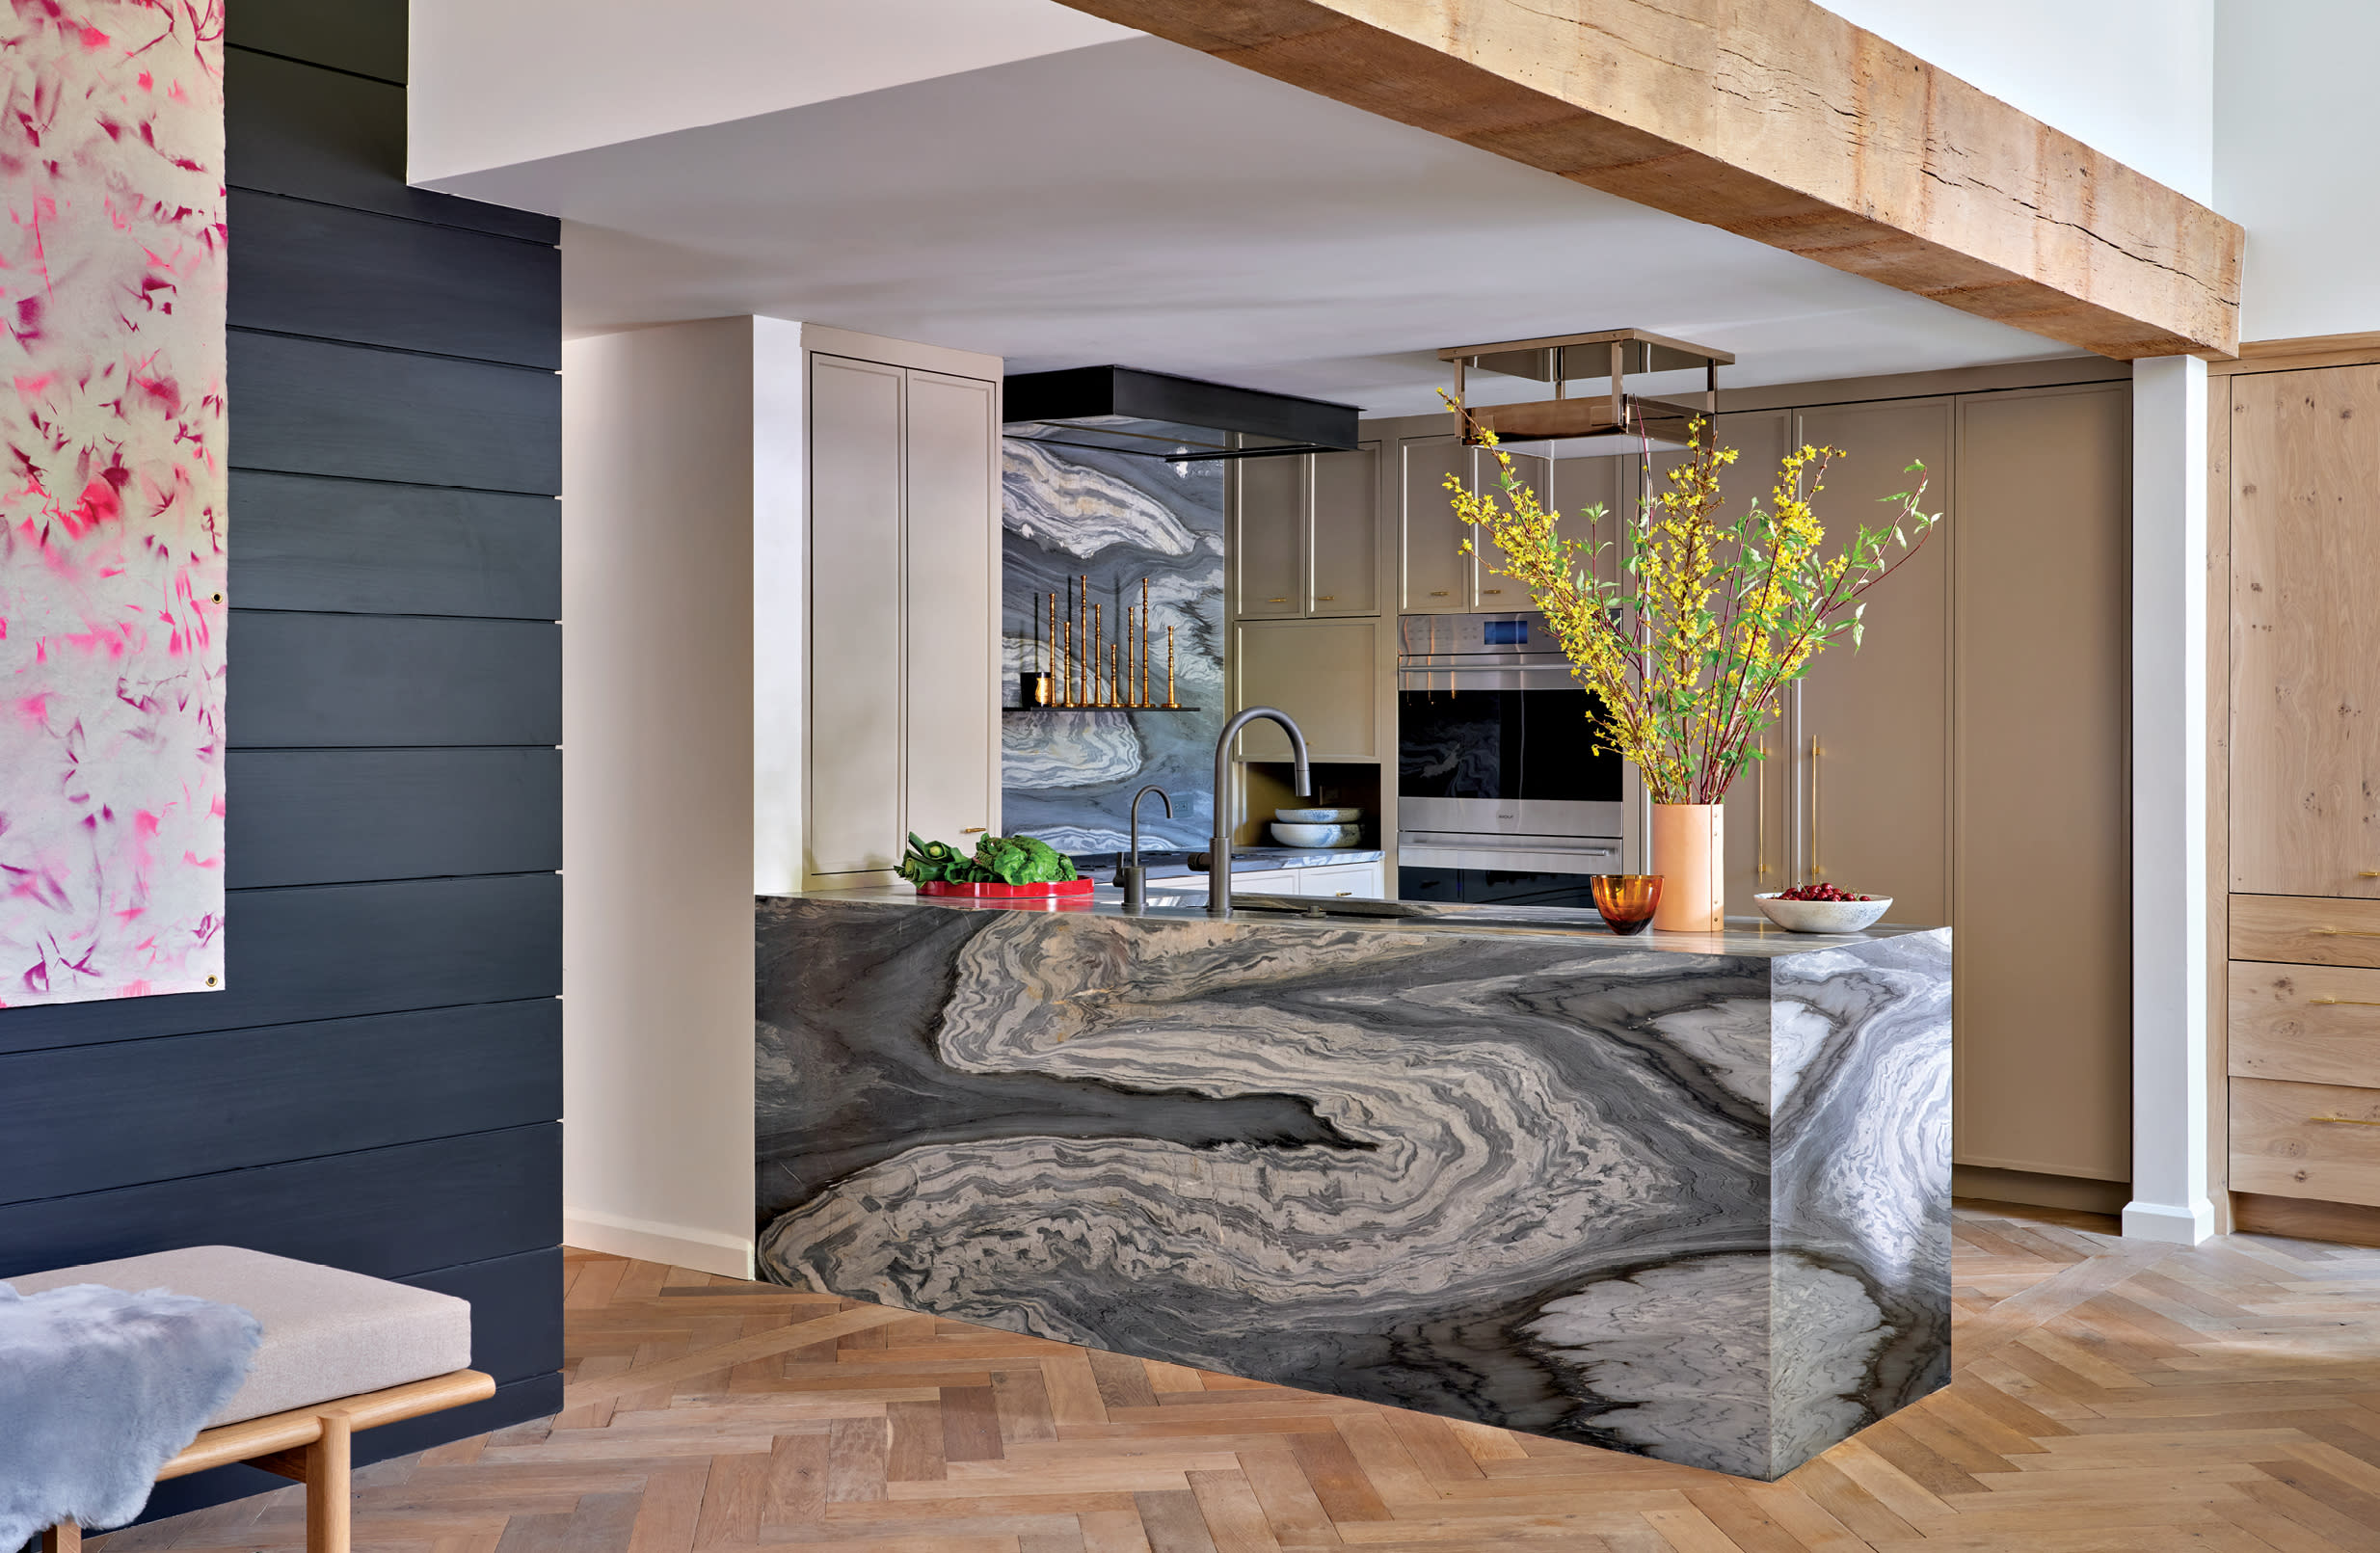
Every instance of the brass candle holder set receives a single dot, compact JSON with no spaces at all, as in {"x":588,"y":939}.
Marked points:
{"x":1091,"y":669}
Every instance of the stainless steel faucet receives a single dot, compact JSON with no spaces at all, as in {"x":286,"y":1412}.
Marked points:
{"x":1218,"y":848}
{"x":1132,"y":876}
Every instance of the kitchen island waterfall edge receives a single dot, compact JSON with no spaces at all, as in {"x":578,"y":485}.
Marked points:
{"x":1687,"y":1196}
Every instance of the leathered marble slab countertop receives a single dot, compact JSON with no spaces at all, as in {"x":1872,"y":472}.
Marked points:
{"x":1756,"y":937}
{"x":1680,"y":1194}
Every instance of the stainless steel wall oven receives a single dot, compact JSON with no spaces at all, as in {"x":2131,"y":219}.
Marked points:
{"x":1501,"y":793}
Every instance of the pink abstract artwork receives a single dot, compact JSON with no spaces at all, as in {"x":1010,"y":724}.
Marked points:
{"x":112,"y":535}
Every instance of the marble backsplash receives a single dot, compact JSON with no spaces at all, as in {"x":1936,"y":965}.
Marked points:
{"x":1068,"y":776}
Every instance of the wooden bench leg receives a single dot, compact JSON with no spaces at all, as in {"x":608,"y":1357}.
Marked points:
{"x":327,"y":1491}
{"x":64,"y":1537}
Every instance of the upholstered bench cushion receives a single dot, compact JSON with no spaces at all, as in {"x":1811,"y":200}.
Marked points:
{"x":327,"y":1334}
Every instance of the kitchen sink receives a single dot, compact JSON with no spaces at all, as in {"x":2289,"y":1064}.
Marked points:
{"x":1337,"y":906}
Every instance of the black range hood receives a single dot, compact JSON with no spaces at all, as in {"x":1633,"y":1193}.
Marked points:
{"x":1157,"y":414}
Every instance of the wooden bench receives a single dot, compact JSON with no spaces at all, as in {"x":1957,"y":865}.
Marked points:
{"x":342,"y":1353}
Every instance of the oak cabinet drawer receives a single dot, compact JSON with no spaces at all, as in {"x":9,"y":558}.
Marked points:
{"x":2313,"y":1024}
{"x":2306,"y":1141}
{"x":2306,"y":930}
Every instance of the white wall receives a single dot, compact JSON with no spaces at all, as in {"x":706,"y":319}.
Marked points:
{"x":657,"y":487}
{"x":2132,"y":78}
{"x":2293,"y":162}
{"x":497,"y":82}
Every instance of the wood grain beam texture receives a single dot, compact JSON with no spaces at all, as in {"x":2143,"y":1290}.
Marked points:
{"x":1777,"y":120}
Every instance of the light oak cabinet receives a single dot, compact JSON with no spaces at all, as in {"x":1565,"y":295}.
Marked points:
{"x":903,"y":563}
{"x":2302,"y":504}
{"x":2305,"y":635}
{"x":1305,"y":535}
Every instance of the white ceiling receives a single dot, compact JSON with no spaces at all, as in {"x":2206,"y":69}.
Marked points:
{"x":1138,"y":203}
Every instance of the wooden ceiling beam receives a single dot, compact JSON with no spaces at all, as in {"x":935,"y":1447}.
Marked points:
{"x":1777,"y":120}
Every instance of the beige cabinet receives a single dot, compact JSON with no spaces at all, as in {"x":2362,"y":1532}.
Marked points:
{"x":1346,"y":532}
{"x":903,"y":568}
{"x":1438,"y":576}
{"x":1306,"y":535}
{"x":2041,"y":575}
{"x":1326,"y":674}
{"x":1869,"y":731}
{"x":1269,"y":530}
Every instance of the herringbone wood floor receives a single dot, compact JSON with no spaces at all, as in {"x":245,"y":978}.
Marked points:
{"x":2110,"y":1395}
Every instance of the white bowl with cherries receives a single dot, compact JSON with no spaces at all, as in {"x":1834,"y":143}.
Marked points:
{"x":1823,"y":908}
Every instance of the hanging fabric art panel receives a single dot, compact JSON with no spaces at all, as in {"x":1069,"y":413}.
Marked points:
{"x":112,"y":503}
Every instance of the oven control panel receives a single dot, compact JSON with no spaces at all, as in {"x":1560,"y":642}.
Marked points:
{"x":1524,"y":633}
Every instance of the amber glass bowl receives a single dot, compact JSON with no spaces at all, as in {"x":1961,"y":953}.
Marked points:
{"x":1627,"y":900}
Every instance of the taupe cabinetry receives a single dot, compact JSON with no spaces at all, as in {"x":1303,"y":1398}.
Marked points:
{"x":1869,"y":730}
{"x":903,"y":560}
{"x":1305,"y":538}
{"x":1327,"y":675}
{"x":2040,"y":492}
{"x":1436,"y":575}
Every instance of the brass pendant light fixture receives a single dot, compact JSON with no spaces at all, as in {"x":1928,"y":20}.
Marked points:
{"x":1614,"y":422}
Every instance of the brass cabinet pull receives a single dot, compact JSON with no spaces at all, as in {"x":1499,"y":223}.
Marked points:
{"x":2369,"y":873}
{"x":1491,"y":590}
{"x":1326,"y":598}
{"x":1344,"y":893}
{"x":973,"y":830}
{"x":1760,"y":814}
{"x":1277,"y":600}
{"x":1817,"y":869}
{"x":2345,"y":1121}
{"x":2346,"y":1002}
{"x":2337,"y":932}
{"x":1437,"y":593}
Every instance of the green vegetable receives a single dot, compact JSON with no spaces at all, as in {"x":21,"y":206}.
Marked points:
{"x":997,"y":860}
{"x":932,"y":862}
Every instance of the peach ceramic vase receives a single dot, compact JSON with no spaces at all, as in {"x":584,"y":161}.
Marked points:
{"x":1690,"y":854}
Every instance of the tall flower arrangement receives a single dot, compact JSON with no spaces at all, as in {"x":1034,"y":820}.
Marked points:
{"x":1718,"y":614}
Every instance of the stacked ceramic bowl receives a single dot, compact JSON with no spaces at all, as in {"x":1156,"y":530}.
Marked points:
{"x":1324,"y":828}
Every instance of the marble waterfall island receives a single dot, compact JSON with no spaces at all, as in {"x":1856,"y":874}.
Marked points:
{"x":1682,"y":1195}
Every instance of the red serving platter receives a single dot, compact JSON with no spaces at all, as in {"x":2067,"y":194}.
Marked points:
{"x":1007,"y":892}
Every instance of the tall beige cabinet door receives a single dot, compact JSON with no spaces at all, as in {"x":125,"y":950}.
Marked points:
{"x":2306,"y":633}
{"x":854,"y":822}
{"x":2040,"y":553}
{"x":1759,"y":834}
{"x":1871,"y":737}
{"x":1268,"y":534}
{"x":1438,"y":577}
{"x":951,"y":736}
{"x":1497,"y":592}
{"x":1346,"y":546}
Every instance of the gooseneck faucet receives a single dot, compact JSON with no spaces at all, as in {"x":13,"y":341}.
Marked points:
{"x":1132,"y":876}
{"x":1218,"y":848}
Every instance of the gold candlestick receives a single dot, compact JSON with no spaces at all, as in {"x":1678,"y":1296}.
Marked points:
{"x":1112,"y":651}
{"x":1169,"y":700}
{"x":1145,"y":641}
{"x":1065,"y":668}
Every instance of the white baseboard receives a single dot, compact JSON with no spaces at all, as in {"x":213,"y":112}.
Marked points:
{"x":2174,"y":1223}
{"x":704,"y":1250}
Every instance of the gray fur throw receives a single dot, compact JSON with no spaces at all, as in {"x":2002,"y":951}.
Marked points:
{"x":98,"y":1389}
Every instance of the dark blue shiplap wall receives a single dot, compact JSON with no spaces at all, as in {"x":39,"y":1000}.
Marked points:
{"x":379,"y":1086}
